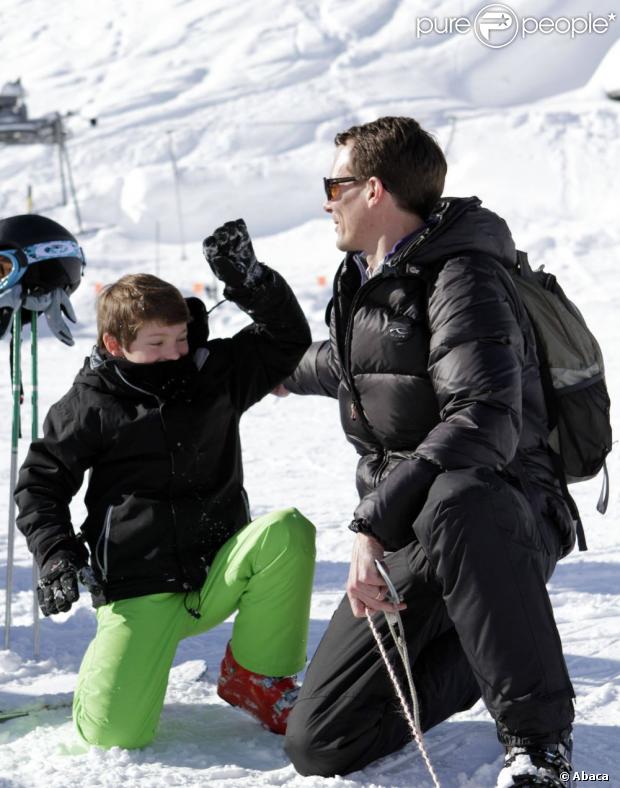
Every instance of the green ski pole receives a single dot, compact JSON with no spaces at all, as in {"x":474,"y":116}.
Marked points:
{"x":34,"y":401}
{"x":17,"y":342}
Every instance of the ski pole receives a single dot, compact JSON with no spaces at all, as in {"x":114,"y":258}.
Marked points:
{"x":58,"y":140}
{"x":177,"y":191}
{"x":157,"y":239}
{"x":65,"y":154}
{"x":34,"y":434}
{"x":16,"y":385}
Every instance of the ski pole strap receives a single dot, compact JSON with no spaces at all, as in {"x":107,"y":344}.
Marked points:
{"x":572,"y":506}
{"x":581,"y":536}
{"x":11,"y":368}
{"x":603,"y":500}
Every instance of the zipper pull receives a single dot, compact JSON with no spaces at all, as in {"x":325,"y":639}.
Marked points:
{"x":353,"y":412}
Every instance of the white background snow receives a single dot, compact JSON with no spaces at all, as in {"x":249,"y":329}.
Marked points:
{"x":250,"y":96}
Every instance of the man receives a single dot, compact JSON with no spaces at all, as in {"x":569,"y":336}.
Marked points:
{"x":433,"y":361}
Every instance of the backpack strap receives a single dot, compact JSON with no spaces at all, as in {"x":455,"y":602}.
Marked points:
{"x":570,"y":502}
{"x":523,"y":264}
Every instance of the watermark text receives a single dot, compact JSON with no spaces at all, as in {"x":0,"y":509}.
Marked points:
{"x":497,"y":25}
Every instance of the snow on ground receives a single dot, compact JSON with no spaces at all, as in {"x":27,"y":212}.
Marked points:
{"x":250,"y":96}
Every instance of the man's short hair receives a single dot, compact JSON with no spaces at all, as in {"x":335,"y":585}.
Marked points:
{"x":125,"y":306}
{"x":405,"y":158}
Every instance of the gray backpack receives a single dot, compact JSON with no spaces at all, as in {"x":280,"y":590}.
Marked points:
{"x":573,"y":377}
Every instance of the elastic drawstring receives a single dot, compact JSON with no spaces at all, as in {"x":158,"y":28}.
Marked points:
{"x":219,"y":303}
{"x":194,"y":613}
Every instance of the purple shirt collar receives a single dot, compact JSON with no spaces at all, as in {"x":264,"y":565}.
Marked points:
{"x":360,"y":257}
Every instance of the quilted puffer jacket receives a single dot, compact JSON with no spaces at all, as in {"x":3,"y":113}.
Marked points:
{"x":433,"y":362}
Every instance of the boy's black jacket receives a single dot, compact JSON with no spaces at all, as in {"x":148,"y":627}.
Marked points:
{"x":166,"y":486}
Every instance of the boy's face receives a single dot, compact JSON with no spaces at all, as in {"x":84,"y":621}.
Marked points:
{"x":153,"y":342}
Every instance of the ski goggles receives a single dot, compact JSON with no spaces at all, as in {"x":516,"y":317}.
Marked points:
{"x":15,"y":259}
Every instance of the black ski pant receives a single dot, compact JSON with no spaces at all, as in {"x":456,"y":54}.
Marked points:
{"x":478,"y":622}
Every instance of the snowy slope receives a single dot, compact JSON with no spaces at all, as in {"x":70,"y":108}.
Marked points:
{"x":252,"y":96}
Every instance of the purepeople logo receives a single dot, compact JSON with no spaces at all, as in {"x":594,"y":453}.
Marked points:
{"x":497,"y":25}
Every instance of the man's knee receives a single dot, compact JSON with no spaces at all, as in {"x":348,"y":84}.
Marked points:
{"x":304,"y":746}
{"x":462,"y":500}
{"x":466,"y":485}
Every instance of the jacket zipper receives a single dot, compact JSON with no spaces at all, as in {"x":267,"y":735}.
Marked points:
{"x":382,"y":466}
{"x":173,"y":513}
{"x":356,"y":405}
{"x":246,"y":503}
{"x":185,"y":583}
{"x":136,"y":388}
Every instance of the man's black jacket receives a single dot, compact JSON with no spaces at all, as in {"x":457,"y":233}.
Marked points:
{"x":162,"y":442}
{"x":434,"y":364}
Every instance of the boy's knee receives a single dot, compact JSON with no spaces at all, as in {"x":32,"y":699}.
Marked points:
{"x":298,"y":530}
{"x":110,"y":734}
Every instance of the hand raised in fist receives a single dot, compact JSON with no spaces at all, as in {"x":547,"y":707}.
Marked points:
{"x":230,"y":254}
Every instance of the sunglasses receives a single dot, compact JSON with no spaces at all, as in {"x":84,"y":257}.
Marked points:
{"x":333,"y":186}
{"x":14,"y":259}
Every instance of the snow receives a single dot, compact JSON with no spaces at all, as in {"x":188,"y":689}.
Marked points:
{"x":521,"y":765}
{"x":249,"y":97}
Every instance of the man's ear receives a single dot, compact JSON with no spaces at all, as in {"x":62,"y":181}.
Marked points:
{"x":112,"y":345}
{"x":374,"y":190}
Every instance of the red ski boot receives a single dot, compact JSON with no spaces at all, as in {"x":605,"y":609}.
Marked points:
{"x":267,"y":698}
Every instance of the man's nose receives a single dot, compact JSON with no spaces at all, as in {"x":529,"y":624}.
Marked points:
{"x":327,"y":206}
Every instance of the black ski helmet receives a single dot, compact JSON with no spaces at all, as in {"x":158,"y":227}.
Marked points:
{"x":36,"y":236}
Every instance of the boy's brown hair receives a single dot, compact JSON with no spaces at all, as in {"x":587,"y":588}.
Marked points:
{"x":404,"y":157}
{"x":125,"y":306}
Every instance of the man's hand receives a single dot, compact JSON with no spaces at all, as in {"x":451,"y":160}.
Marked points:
{"x":280,"y":391}
{"x":365,"y":587}
{"x":230,"y":254}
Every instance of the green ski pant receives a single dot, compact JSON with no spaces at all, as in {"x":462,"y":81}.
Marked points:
{"x":264,"y":572}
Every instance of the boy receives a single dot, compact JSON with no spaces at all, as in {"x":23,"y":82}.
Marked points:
{"x":172,"y":554}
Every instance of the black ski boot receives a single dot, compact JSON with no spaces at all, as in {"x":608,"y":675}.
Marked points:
{"x":537,"y":765}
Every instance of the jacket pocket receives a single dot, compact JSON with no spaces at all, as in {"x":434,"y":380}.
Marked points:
{"x":102,"y":546}
{"x":137,"y":540}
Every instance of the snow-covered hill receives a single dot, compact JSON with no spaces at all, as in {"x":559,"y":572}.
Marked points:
{"x":250,"y":97}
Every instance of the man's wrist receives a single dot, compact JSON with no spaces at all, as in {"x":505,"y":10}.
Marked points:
{"x":361,"y":526}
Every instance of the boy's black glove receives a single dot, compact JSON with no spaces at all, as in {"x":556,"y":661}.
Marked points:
{"x":230,"y":254}
{"x":198,"y":326}
{"x":58,"y":583}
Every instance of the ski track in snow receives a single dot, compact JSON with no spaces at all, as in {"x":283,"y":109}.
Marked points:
{"x":253,"y":96}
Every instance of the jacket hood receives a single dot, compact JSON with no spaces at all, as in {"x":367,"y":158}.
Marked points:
{"x":459,"y":225}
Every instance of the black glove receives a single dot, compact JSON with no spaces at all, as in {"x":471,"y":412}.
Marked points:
{"x":198,"y":326}
{"x":58,"y":583}
{"x":6,"y":315}
{"x":230,"y":254}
